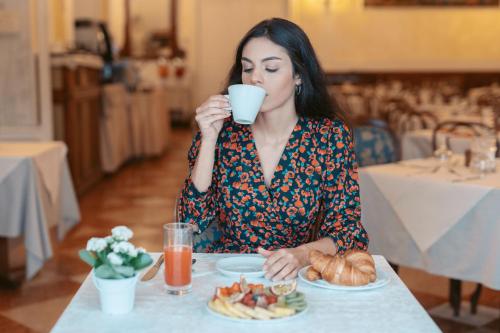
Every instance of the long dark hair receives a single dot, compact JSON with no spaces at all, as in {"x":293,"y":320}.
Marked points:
{"x":313,"y":100}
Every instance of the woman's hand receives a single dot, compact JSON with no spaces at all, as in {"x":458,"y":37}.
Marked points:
{"x":284,"y":264}
{"x":210,"y":116}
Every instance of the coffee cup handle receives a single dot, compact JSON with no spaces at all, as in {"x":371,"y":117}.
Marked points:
{"x":229,"y":108}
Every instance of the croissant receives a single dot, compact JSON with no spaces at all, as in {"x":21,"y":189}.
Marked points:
{"x":312,"y":274}
{"x":362,"y":261}
{"x":355,"y":268}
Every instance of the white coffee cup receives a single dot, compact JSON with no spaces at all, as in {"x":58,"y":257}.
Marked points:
{"x":245,"y":101}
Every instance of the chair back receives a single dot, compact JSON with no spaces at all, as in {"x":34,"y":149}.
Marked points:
{"x":374,"y":143}
{"x":201,"y":240}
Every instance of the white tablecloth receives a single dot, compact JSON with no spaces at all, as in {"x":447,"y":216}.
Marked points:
{"x":36,"y":193}
{"x":418,"y":144}
{"x":179,"y":96}
{"x":150,"y":128}
{"x":426,"y":220}
{"x":115,"y":134}
{"x":391,"y":308}
{"x":133,"y":125}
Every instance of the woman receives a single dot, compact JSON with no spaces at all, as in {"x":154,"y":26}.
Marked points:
{"x":267,"y":183}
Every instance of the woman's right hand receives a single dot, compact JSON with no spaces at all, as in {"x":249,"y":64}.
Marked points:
{"x":210,"y":116}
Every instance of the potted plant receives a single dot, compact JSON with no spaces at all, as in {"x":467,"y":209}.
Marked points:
{"x":115,"y":263}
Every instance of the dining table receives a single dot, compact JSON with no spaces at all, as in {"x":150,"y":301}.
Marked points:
{"x":418,"y":143}
{"x":36,"y":196}
{"x":440,"y":217}
{"x":389,"y":308}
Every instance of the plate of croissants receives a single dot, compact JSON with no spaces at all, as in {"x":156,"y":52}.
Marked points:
{"x":354,"y":270}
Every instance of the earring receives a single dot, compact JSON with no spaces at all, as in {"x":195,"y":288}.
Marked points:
{"x":298,"y":89}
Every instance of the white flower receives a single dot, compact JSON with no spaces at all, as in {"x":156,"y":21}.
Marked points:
{"x":115,"y":259}
{"x":125,"y":248}
{"x":96,"y":244}
{"x":109,"y":239}
{"x":141,"y":250}
{"x":122,"y":233}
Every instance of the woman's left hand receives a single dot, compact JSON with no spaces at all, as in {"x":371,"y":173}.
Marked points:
{"x":284,"y":264}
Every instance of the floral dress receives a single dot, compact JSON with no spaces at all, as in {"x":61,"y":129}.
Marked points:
{"x":316,"y":179}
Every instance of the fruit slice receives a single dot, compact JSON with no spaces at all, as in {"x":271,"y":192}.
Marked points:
{"x":232,"y":298}
{"x":244,"y":285}
{"x":284,"y":288}
{"x":279,"y":311}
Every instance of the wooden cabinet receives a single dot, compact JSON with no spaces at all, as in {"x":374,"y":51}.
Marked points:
{"x":77,"y":96}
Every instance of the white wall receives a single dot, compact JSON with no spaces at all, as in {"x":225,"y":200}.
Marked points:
{"x":220,"y":24}
{"x":88,"y":9}
{"x":116,"y":22}
{"x":349,"y":36}
{"x":61,"y":25}
{"x":148,"y":16}
{"x":187,"y":28}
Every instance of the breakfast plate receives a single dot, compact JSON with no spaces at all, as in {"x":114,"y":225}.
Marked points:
{"x":235,"y":266}
{"x":274,"y":320}
{"x":382,"y":280}
{"x":248,"y":302}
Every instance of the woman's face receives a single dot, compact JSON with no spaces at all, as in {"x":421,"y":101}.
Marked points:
{"x":267,"y":65}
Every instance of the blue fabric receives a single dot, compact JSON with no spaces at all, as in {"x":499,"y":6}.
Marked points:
{"x":206,"y":238}
{"x":373,"y":145}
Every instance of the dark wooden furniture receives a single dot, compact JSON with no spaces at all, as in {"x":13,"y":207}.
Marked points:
{"x":77,"y":97}
{"x":464,"y":80}
{"x":12,"y":261}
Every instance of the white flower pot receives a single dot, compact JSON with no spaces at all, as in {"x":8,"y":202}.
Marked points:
{"x":117,"y":296}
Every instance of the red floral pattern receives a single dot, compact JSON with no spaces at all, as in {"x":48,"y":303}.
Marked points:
{"x":317,"y":165}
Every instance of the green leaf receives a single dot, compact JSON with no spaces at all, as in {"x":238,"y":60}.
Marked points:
{"x":126,"y":271}
{"x":142,"y":260}
{"x":89,"y":257}
{"x":103,"y":257}
{"x":107,"y":272}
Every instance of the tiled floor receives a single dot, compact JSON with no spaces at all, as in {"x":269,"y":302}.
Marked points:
{"x":142,"y":196}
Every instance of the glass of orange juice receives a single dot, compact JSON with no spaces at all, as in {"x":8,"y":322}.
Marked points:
{"x":178,"y":250}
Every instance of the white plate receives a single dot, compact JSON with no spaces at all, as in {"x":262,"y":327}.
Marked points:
{"x":275,"y":320}
{"x":382,"y":280}
{"x":235,"y":266}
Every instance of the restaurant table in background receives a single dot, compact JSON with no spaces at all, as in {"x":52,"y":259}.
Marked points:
{"x":114,"y":127}
{"x":446,"y":222}
{"x":178,"y":91}
{"x":133,"y":124}
{"x":391,"y":308}
{"x":150,"y":122}
{"x":36,"y":193}
{"x":418,"y":143}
